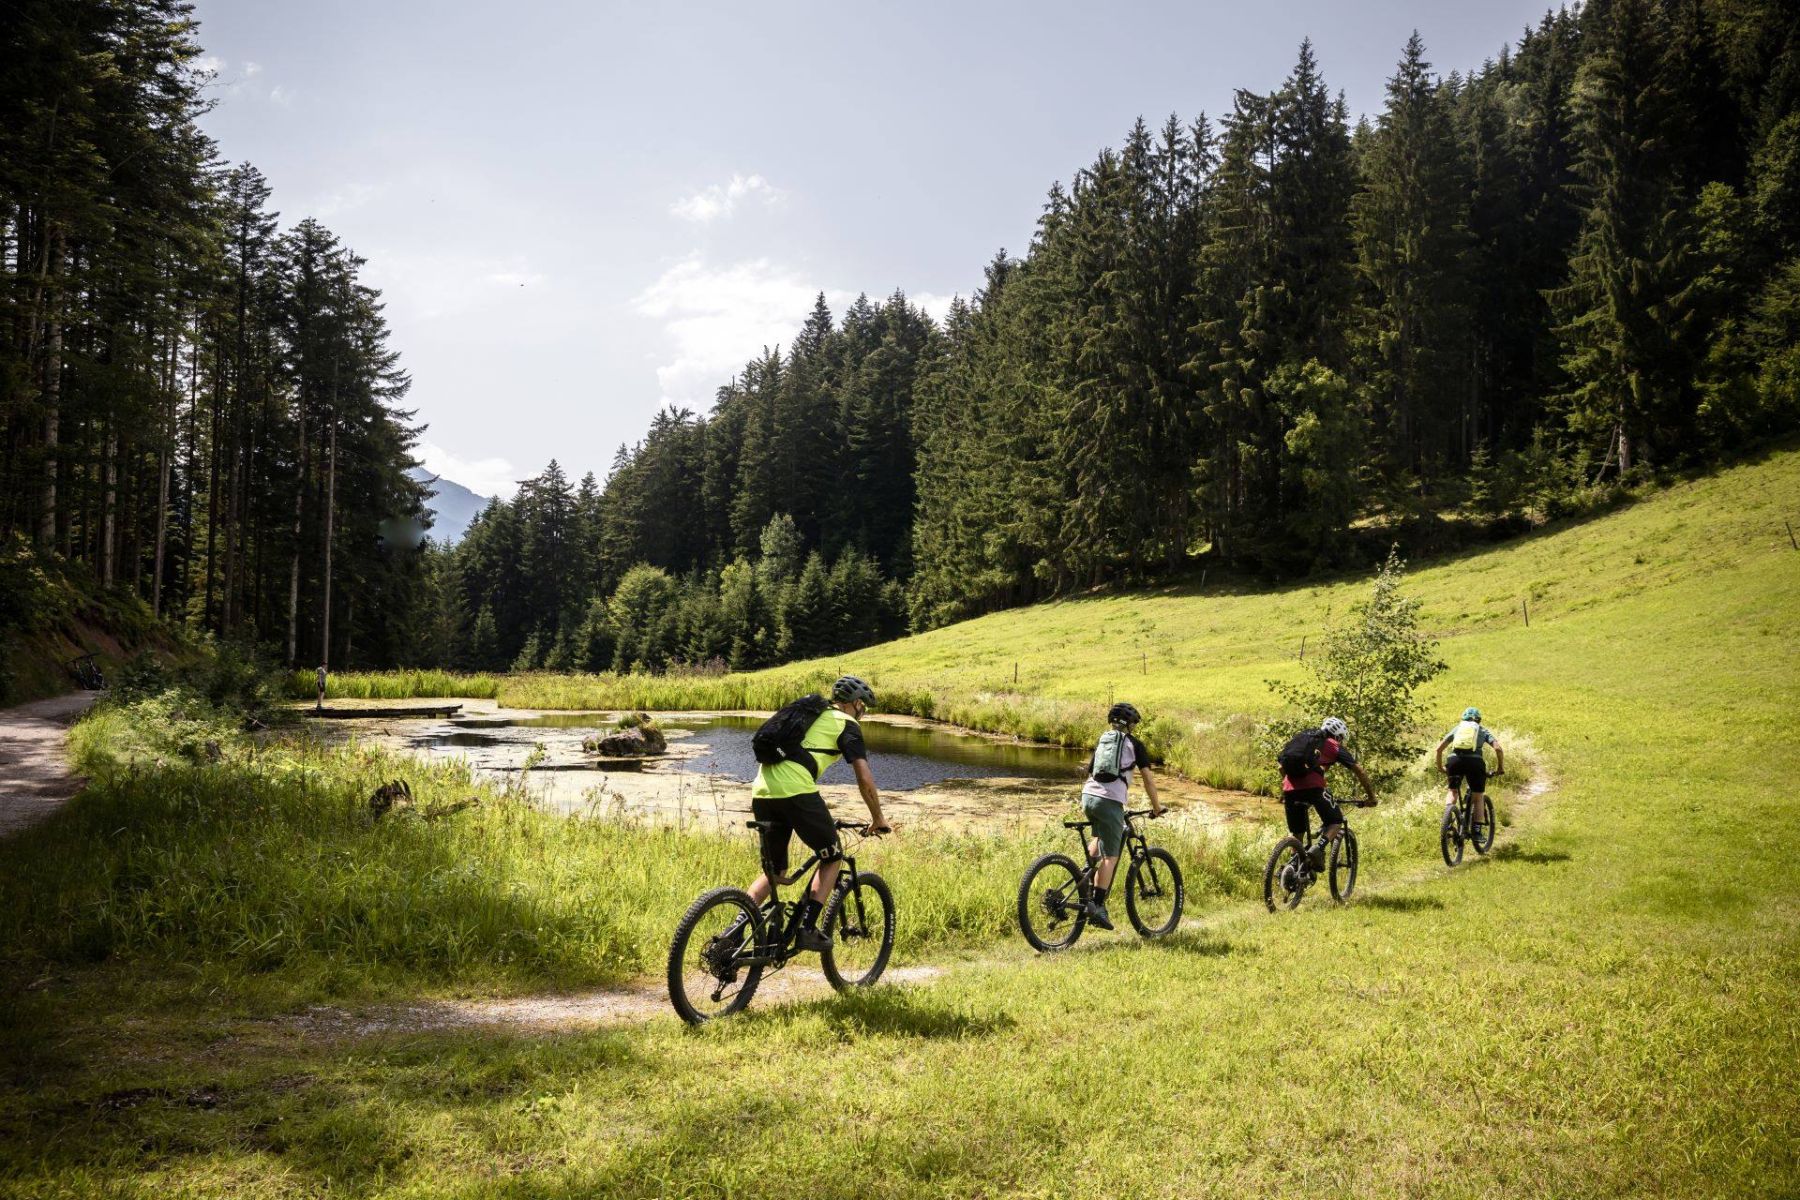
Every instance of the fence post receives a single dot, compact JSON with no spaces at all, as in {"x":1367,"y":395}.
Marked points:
{"x":1015,"y":673}
{"x":1303,"y":649}
{"x":1791,"y":541}
{"x":1525,"y":606}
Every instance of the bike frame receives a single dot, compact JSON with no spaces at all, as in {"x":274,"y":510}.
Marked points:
{"x":781,"y":932}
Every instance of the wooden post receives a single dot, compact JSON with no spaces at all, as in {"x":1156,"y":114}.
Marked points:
{"x":1525,"y":607}
{"x":1015,"y":673}
{"x":1203,"y":578}
{"x":1790,"y":529}
{"x":1303,"y":649}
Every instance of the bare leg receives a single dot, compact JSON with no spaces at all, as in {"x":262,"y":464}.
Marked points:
{"x":1103,"y":874}
{"x":1478,"y":802}
{"x":759,"y":891}
{"x":824,"y":879}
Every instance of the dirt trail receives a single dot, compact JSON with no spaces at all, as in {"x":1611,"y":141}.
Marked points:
{"x":35,"y":777}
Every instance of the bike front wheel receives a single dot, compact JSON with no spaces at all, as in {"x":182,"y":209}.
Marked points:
{"x":1450,"y":840}
{"x":1050,"y":912}
{"x":1153,"y":893}
{"x":707,"y":977}
{"x":1343,"y":867}
{"x":860,"y":920}
{"x":1281,"y":878}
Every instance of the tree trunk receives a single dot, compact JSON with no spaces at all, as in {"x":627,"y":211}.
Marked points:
{"x":293,"y":629}
{"x":330,"y":513}
{"x":52,"y":391}
{"x":108,"y":507}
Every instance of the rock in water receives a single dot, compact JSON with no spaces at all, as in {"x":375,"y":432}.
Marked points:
{"x":642,"y":742}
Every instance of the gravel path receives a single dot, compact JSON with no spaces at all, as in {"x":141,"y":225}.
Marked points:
{"x":35,"y":777}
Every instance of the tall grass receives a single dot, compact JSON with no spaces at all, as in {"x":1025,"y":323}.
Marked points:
{"x":394,"y":685}
{"x":265,"y":858}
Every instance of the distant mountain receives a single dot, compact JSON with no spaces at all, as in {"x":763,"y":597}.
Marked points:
{"x":452,"y":506}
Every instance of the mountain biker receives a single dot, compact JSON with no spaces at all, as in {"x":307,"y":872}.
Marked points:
{"x":1465,"y":741}
{"x":1306,"y":789}
{"x":1103,"y":800}
{"x":787,"y":796}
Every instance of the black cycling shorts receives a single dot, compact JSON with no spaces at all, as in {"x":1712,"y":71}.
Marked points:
{"x":805,"y":815}
{"x":1301,"y":799}
{"x":1471,"y":767}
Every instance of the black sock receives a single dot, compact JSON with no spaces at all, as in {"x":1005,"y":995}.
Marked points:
{"x":809,"y":913}
{"x":1100,"y":895}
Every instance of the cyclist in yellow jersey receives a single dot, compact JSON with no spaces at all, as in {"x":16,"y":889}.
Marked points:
{"x":1464,"y":741}
{"x":786,"y":795}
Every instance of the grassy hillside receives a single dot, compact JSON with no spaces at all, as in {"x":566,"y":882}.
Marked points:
{"x":1605,"y":1008}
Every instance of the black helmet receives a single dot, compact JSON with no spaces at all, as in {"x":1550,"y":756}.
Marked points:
{"x":852,"y":688}
{"x":1123,"y":712}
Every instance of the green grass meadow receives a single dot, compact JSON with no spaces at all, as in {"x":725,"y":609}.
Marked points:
{"x":1607,"y":1006}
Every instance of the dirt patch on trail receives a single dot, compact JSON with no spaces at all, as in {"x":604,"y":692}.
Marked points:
{"x":35,"y":777}
{"x":555,"y":1011}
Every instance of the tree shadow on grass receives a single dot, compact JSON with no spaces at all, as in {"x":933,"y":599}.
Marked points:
{"x":890,"y":1011}
{"x":1537,"y":858}
{"x":1401,"y":903}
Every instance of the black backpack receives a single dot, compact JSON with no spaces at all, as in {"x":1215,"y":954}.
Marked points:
{"x":1300,"y":757}
{"x":779,"y":739}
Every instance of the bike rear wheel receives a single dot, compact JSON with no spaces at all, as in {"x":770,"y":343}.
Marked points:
{"x":1280,"y":887}
{"x":1343,"y":867}
{"x":1153,"y":893}
{"x":1450,"y":840}
{"x":1482,"y":832}
{"x":706,"y":980}
{"x":1050,"y":912}
{"x":860,"y":920}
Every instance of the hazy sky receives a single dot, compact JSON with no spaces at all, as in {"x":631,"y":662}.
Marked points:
{"x":581,"y":211}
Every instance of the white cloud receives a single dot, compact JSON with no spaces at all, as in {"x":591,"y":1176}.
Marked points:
{"x":252,"y":70}
{"x":483,"y":476}
{"x":343,"y":199}
{"x":719,"y":200}
{"x":212,"y":64}
{"x":938,"y":306}
{"x":718,"y":318}
{"x":282,"y":96}
{"x":429,"y":286}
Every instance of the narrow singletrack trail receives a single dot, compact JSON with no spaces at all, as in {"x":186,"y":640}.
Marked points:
{"x":566,"y":1012}
{"x":35,"y":776}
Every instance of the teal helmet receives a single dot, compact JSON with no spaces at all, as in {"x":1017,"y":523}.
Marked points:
{"x":1471,"y":713}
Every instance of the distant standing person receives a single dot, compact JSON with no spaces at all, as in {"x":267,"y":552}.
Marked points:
{"x":1103,"y":799}
{"x":321,"y":687}
{"x":1465,"y":741}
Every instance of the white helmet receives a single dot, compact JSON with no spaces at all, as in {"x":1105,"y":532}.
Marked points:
{"x":1335,"y":727}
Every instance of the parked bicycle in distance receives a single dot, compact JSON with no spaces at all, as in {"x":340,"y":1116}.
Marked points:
{"x":1054,"y":891}
{"x":1290,"y":871}
{"x":725,"y":941}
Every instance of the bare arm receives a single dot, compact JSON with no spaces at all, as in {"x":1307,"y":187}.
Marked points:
{"x":1499,"y":759}
{"x":1363,"y":777}
{"x":1440,"y":751}
{"x":1150,"y":791}
{"x":865,"y":783}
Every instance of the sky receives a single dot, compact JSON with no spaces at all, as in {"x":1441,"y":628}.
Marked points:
{"x":580,"y":212}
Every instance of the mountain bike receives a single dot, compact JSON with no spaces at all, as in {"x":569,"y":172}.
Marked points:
{"x":726,"y":941}
{"x":1054,"y":890}
{"x":1290,"y":871}
{"x":1459,"y":825}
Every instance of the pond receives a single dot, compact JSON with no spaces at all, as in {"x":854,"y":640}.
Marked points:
{"x":926,"y":772}
{"x":902,"y":758}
